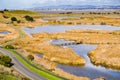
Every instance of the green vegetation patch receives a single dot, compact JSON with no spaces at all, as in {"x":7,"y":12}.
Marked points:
{"x":5,"y":60}
{"x":9,"y":47}
{"x":29,"y":18}
{"x":8,"y":77}
{"x":13,"y":19}
{"x":22,"y":12}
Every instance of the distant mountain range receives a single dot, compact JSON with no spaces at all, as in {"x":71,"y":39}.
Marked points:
{"x":76,"y":7}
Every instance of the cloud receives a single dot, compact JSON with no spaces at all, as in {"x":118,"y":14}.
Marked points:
{"x":77,"y":2}
{"x":14,"y":4}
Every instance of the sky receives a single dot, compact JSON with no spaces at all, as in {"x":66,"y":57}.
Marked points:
{"x":22,"y":4}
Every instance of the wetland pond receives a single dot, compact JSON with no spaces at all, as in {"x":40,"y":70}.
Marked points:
{"x":63,"y":28}
{"x":39,"y":55}
{"x":4,"y":32}
{"x":89,"y":70}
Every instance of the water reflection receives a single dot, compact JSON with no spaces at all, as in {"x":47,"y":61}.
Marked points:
{"x":62,"y":28}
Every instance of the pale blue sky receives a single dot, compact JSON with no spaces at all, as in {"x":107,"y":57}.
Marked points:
{"x":19,"y":4}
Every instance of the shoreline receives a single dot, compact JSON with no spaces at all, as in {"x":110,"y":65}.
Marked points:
{"x":52,"y":54}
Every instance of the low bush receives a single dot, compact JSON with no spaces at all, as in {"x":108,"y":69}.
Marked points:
{"x":103,"y":23}
{"x":6,"y":10}
{"x":9,"y":47}
{"x":13,"y":19}
{"x":28,"y":18}
{"x":5,"y":60}
{"x":30,"y":57}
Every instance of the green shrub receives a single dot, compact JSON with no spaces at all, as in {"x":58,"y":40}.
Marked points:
{"x":68,"y":12}
{"x":28,"y":18}
{"x":6,"y":10}
{"x":114,"y":12}
{"x":30,"y":57}
{"x":21,"y":12}
{"x":13,"y":19}
{"x":5,"y":60}
{"x":9,"y":47}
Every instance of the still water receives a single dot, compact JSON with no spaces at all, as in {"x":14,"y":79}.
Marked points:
{"x":4,"y":32}
{"x":62,"y":28}
{"x":89,"y":70}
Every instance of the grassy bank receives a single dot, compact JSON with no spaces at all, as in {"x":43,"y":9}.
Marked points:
{"x":8,"y":77}
{"x":39,"y":72}
{"x":8,"y":73}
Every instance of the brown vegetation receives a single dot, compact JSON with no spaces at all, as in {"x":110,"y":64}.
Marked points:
{"x":50,"y":52}
{"x":85,"y":36}
{"x":51,"y":55}
{"x":10,"y":36}
{"x":106,"y":55}
{"x":73,"y":19}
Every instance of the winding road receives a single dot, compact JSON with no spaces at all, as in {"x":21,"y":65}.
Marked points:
{"x":21,"y":68}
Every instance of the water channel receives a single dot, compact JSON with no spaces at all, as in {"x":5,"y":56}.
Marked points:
{"x":62,"y":28}
{"x":4,"y":32}
{"x":89,"y":70}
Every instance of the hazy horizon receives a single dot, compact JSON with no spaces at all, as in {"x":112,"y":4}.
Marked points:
{"x":22,"y":4}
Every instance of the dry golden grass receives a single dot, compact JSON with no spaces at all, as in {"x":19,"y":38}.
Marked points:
{"x":10,"y":36}
{"x":84,"y":19}
{"x":49,"y":65}
{"x":106,"y":55}
{"x":50,"y":52}
{"x":20,"y":17}
{"x":85,"y":36}
{"x":51,"y":55}
{"x":92,"y":21}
